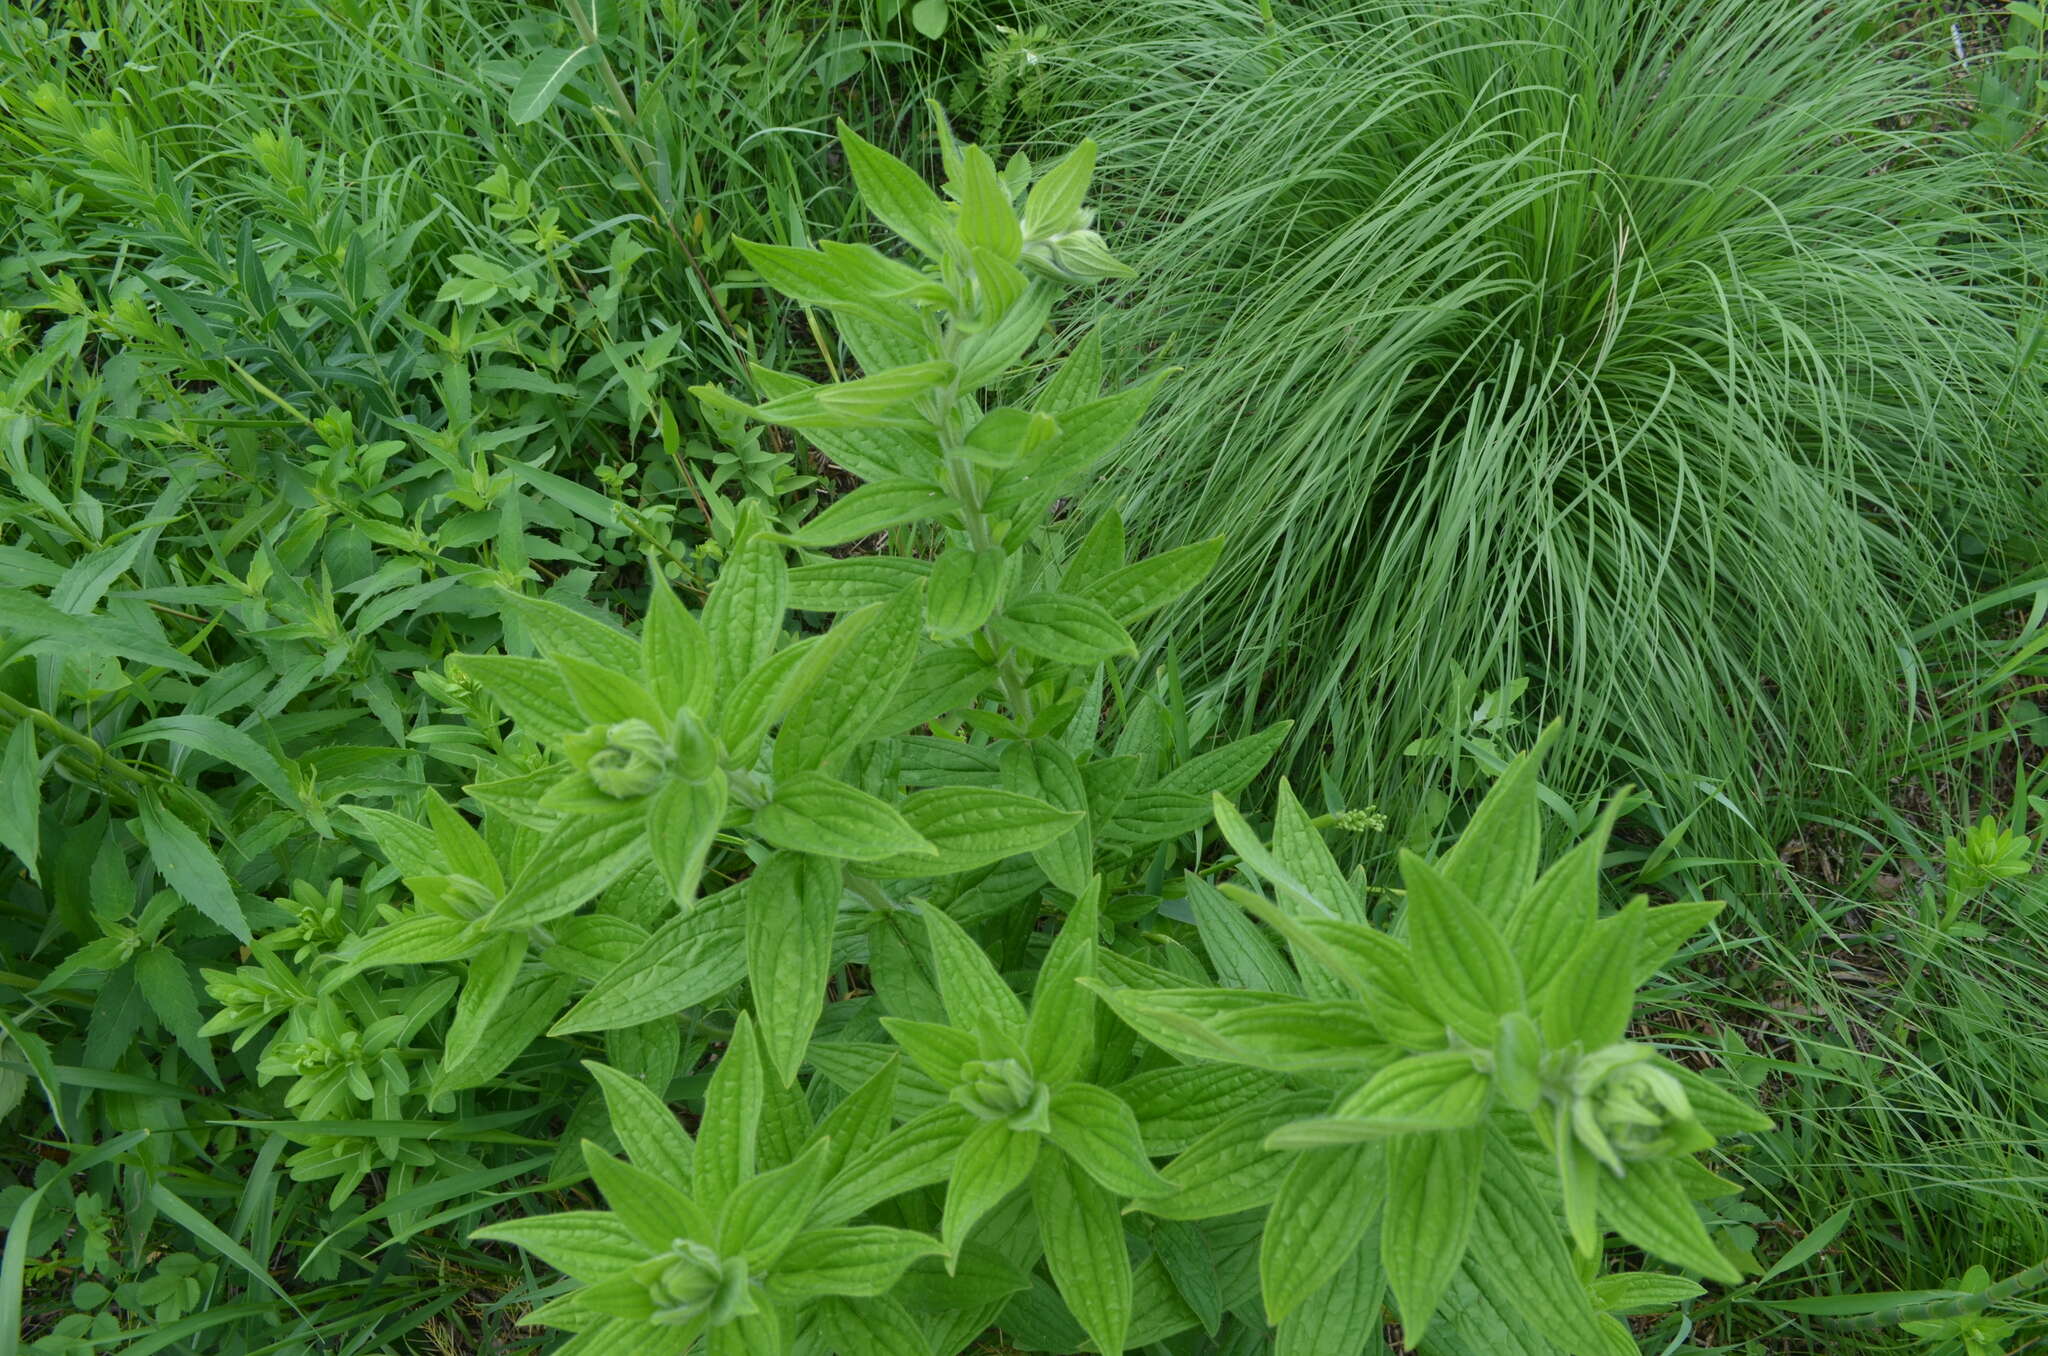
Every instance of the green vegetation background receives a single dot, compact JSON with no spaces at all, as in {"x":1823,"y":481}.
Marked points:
{"x":1534,"y":361}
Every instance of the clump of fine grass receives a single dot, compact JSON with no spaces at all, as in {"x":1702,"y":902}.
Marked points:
{"x":1649,"y":352}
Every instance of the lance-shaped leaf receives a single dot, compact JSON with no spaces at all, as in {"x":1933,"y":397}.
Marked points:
{"x":917,"y":1153}
{"x":1432,"y":1192}
{"x":897,"y":194}
{"x":1345,"y":1314}
{"x":1327,"y":1202}
{"x":577,"y":860}
{"x":1595,"y":991}
{"x":728,"y":1134}
{"x":1063,"y":627}
{"x":647,"y":1129}
{"x":675,"y":654}
{"x":1436,"y":1091}
{"x":874,"y":507}
{"x":966,"y":586}
{"x":656,"y":1211}
{"x":1133,"y":591}
{"x":1462,"y":964}
{"x":1650,"y":1208}
{"x":1085,"y":1249}
{"x":1043,"y":770}
{"x":972,"y":826}
{"x":743,"y":615}
{"x":865,"y":671}
{"x":856,"y":1261}
{"x":993,"y":1161}
{"x":1494,"y":860}
{"x":1060,"y":1036}
{"x":792,"y":907}
{"x":975,"y":995}
{"x":585,"y":1245}
{"x":1100,"y":1133}
{"x":766,"y":1212}
{"x":816,"y":813}
{"x":1229,"y":1169}
{"x":490,"y":979}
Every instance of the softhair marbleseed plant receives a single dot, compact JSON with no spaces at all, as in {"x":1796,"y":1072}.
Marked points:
{"x":1467,"y":1083}
{"x":730,"y":803}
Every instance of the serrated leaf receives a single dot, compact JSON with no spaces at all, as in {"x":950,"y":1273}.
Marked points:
{"x":1088,"y":432}
{"x":1517,"y":1247}
{"x":21,"y":798}
{"x":167,"y":987}
{"x":1240,"y":954}
{"x":1226,"y":770}
{"x":189,"y":867}
{"x":1056,"y":197}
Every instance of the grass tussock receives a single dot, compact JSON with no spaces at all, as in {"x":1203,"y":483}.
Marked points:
{"x":1659,"y":354}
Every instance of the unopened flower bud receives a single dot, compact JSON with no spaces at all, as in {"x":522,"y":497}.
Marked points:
{"x":1005,"y":1090}
{"x":627,"y":760}
{"x":1626,"y":1106}
{"x":1078,"y":256}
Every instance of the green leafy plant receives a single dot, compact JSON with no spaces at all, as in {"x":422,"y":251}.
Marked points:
{"x":718,"y":730}
{"x":1982,"y":857}
{"x":1479,"y":1061}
